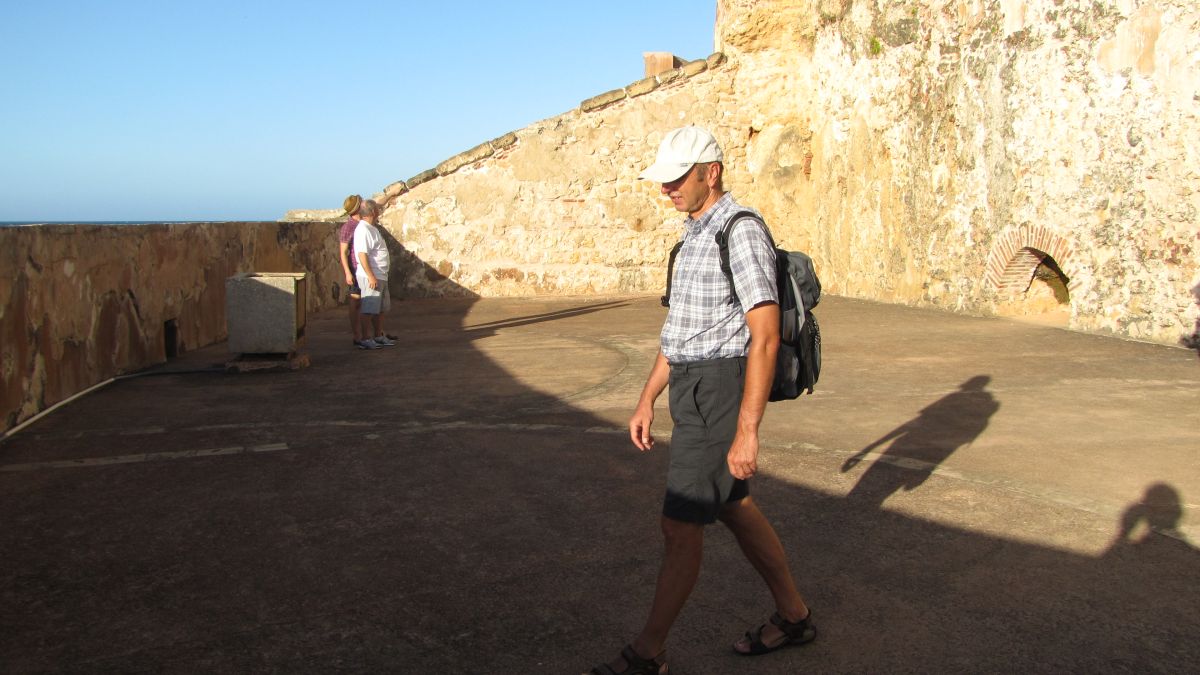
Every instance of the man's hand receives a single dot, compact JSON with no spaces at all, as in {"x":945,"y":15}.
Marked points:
{"x":639,"y":427}
{"x":372,"y":281}
{"x":743,"y":456}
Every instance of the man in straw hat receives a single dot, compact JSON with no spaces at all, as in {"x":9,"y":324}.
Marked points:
{"x":717,"y":355}
{"x":349,"y":264}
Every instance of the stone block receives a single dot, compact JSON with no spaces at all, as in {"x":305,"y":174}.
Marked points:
{"x":481,"y":151}
{"x":423,"y":177}
{"x":694,"y":68}
{"x":395,"y":189}
{"x":265,"y":313}
{"x":506,"y":141}
{"x":670,"y":76}
{"x":642,"y":87}
{"x":598,"y":102}
{"x":715,"y":60}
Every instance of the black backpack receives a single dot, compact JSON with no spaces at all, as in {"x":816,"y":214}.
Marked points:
{"x":798,"y":364}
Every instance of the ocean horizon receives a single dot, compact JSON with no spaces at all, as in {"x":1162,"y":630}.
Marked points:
{"x":34,"y":223}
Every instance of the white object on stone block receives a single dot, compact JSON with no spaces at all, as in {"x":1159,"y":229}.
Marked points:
{"x":265,"y":312}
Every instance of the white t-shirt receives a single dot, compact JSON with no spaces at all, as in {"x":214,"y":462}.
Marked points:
{"x":368,"y":240}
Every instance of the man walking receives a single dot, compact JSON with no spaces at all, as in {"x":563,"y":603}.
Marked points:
{"x":373,"y":265}
{"x":717,"y":353}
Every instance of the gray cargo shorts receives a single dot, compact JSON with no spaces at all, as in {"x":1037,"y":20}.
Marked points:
{"x":706,"y":397}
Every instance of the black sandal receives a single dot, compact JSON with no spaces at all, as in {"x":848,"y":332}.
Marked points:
{"x":795,"y":633}
{"x":634,"y":665}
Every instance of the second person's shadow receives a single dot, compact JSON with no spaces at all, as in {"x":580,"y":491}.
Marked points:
{"x":924,"y":442}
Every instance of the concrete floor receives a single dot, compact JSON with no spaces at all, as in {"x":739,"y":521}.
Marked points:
{"x":959,"y":495}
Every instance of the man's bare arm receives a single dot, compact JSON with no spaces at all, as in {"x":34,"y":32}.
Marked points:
{"x":343,"y":248}
{"x":366,"y":268}
{"x":763,"y":321}
{"x":643,"y":415}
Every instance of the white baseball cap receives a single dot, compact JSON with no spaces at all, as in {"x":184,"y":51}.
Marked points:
{"x":680,"y":149}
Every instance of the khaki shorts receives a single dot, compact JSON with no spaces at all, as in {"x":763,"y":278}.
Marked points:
{"x":374,"y":300}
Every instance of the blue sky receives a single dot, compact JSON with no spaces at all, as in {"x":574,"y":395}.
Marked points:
{"x":215,"y":110}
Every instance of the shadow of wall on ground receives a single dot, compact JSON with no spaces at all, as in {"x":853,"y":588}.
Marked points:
{"x":423,"y":515}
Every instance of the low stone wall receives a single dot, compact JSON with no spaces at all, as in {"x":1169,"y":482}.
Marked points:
{"x":81,"y":304}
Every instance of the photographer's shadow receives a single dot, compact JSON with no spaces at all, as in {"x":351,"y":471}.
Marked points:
{"x":1150,"y":523}
{"x":920,"y":445}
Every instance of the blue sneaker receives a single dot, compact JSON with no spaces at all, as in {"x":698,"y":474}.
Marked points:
{"x":367,"y":344}
{"x":385,"y":341}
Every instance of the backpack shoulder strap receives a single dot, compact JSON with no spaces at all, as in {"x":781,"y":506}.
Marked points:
{"x":666,"y":299}
{"x":722,"y":237}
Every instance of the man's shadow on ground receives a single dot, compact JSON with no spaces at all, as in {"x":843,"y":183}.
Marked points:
{"x":921,"y":444}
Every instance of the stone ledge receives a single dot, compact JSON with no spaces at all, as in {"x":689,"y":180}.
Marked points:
{"x":423,"y":177}
{"x":266,"y":363}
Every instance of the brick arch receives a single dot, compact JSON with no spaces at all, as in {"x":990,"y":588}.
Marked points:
{"x":1017,"y":253}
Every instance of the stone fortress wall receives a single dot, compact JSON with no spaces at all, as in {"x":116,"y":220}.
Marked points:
{"x":1000,"y":157}
{"x":80,"y":304}
{"x":1005,"y":157}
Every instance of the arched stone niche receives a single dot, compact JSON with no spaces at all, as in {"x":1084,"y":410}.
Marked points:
{"x":1031,"y":269}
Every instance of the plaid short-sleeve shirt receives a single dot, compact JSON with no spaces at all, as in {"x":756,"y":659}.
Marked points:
{"x":346,"y":236}
{"x":705,"y":320}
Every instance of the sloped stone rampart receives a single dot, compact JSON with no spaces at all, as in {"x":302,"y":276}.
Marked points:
{"x":556,"y":207}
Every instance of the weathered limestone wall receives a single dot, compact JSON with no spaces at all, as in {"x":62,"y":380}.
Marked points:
{"x":929,"y":153}
{"x":80,"y":304}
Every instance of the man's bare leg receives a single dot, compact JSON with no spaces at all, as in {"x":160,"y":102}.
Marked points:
{"x":355,"y":322}
{"x":365,"y":323}
{"x":683,"y":549}
{"x":761,"y":546}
